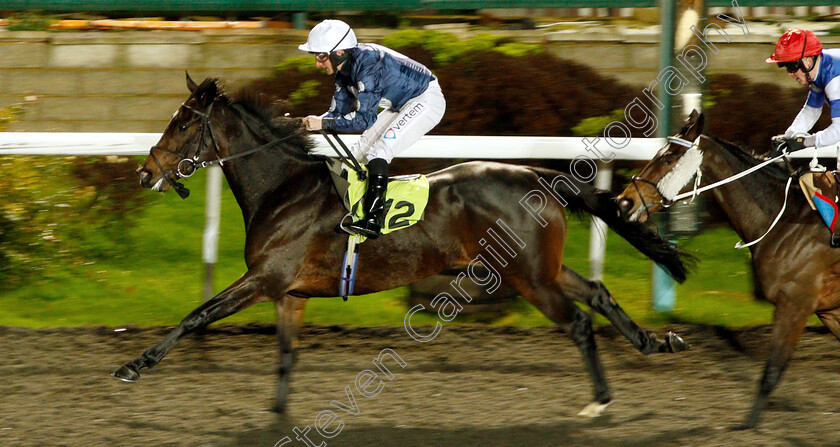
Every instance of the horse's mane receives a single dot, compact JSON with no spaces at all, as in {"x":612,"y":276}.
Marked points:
{"x":268,"y":113}
{"x":763,"y":185}
{"x":747,"y":158}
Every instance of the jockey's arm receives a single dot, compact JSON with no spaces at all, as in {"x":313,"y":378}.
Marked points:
{"x":831,"y":96}
{"x":808,"y":116}
{"x":831,"y":134}
{"x":826,"y":137}
{"x":367,"y":101}
{"x":342,"y":102}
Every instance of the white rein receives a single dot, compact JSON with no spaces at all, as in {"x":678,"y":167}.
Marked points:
{"x":697,"y":190}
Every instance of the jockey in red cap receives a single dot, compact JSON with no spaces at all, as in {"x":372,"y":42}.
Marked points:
{"x":801,"y":54}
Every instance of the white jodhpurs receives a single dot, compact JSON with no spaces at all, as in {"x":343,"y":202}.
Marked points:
{"x":393,"y":132}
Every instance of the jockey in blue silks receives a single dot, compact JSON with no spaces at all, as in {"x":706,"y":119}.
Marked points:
{"x":369,"y":77}
{"x":802,"y":55}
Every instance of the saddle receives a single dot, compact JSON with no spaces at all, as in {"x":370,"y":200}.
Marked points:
{"x":821,"y":191}
{"x":406,"y":196}
{"x":405,"y":201}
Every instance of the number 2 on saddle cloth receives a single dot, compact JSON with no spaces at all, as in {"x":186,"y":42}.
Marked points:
{"x":406,"y":200}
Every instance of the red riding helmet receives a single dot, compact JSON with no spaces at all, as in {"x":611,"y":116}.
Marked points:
{"x":794,"y":45}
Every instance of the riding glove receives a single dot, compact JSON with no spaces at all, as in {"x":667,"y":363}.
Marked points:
{"x":781,"y":143}
{"x":795,"y":143}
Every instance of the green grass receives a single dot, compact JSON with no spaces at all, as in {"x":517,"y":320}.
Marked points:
{"x":158,"y":279}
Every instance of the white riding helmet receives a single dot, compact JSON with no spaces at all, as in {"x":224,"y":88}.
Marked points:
{"x":329,"y":36}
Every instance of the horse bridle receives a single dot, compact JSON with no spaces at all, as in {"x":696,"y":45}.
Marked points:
{"x":188,"y":165}
{"x":635,"y":180}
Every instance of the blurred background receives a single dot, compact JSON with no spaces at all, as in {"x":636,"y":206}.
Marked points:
{"x":82,"y":244}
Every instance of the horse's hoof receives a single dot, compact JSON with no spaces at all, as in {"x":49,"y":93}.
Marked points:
{"x":593,"y":410}
{"x":749,"y":424}
{"x":676,"y":343}
{"x":126,"y":373}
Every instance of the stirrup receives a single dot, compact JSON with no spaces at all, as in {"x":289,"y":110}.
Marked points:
{"x":340,"y":229}
{"x":345,"y":229}
{"x":362,"y":227}
{"x":834,"y":241}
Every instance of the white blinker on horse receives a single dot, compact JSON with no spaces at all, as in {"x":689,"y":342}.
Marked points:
{"x":687,"y":167}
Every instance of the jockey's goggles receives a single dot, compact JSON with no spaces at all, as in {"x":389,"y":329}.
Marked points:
{"x":322,"y":57}
{"x":791,"y":67}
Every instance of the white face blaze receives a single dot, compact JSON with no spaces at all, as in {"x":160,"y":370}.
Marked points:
{"x":682,"y":173}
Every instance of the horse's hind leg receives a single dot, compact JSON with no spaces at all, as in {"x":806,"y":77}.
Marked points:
{"x":596,"y":296}
{"x":289,"y":320}
{"x":584,"y":338}
{"x":238,"y":296}
{"x":561,"y":310}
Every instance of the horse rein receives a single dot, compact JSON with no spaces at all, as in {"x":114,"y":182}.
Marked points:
{"x":347,"y":159}
{"x":697,"y":190}
{"x":187,"y":166}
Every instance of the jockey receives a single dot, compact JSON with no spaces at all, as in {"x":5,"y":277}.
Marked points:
{"x":801,"y":54}
{"x":369,"y":76}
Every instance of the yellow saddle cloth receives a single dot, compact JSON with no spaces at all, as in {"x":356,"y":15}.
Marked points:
{"x":405,"y":199}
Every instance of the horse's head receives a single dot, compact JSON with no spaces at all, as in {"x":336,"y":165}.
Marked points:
{"x":187,"y":141}
{"x":670,"y":171}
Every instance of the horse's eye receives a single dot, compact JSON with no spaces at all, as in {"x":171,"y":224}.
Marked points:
{"x":670,"y":159}
{"x":183,"y":127}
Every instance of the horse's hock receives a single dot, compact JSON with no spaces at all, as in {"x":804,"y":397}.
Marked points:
{"x":495,"y":304}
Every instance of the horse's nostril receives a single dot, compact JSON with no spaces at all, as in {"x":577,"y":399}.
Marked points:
{"x":625,"y":205}
{"x":144,"y":175}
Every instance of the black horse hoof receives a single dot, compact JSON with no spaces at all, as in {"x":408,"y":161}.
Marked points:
{"x":126,"y":373}
{"x":676,"y":343}
{"x":750,"y":423}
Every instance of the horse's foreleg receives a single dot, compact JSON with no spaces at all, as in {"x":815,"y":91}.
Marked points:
{"x":238,"y":296}
{"x":596,"y":296}
{"x":289,"y":320}
{"x":788,"y":324}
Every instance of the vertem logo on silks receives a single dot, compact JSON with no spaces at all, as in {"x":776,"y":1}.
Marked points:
{"x":391,"y":133}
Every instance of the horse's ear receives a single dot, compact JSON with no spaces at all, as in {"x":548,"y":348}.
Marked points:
{"x":693,"y":126}
{"x":190,"y":83}
{"x":206,"y":93}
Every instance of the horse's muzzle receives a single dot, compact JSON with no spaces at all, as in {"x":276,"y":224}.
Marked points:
{"x":629,"y":211}
{"x":625,"y":205}
{"x":145,"y":177}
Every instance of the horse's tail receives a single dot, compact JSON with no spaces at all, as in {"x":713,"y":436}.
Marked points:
{"x":584,"y":197}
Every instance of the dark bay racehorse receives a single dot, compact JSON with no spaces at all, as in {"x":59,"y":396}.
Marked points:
{"x":795,"y":268}
{"x":290,"y":207}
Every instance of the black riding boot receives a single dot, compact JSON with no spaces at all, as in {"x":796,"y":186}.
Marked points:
{"x":374,"y":202}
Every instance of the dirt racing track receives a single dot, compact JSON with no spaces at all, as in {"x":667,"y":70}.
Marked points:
{"x":471,"y":386}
